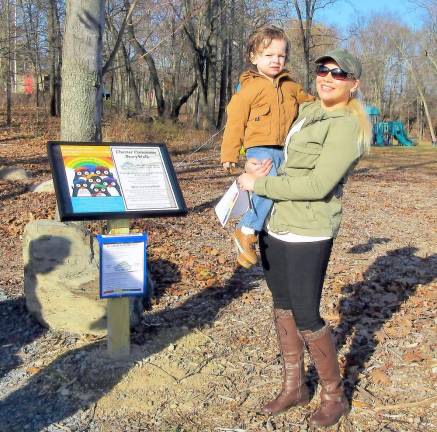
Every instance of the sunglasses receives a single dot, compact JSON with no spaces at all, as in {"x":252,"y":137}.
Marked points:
{"x":336,"y":73}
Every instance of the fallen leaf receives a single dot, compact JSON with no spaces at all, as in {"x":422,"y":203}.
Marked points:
{"x":380,"y":377}
{"x":203,"y":274}
{"x":360,"y":404}
{"x":414,"y":356}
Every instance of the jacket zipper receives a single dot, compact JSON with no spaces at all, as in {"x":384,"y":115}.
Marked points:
{"x":279,"y":113}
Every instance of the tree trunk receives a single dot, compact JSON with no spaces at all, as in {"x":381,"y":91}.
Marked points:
{"x":212,"y":66}
{"x":147,"y":57}
{"x":427,"y":114}
{"x":178,"y":103}
{"x":229,"y":59}
{"x":223,"y":72}
{"x":132,"y":83}
{"x":418,"y":86}
{"x":58,"y":43}
{"x":432,"y":60}
{"x":305,"y":25}
{"x":8,"y":67}
{"x":52,"y":56}
{"x":82,"y":71}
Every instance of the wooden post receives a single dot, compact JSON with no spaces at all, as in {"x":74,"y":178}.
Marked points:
{"x":118,"y":308}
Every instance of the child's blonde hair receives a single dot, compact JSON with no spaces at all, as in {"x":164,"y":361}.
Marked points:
{"x":262,"y":38}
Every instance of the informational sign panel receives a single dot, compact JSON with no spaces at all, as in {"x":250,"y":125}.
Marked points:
{"x":122,"y":265}
{"x":114,"y":180}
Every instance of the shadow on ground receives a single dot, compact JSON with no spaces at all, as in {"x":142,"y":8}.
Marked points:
{"x":17,"y":330}
{"x":388,"y":283}
{"x":71,"y":382}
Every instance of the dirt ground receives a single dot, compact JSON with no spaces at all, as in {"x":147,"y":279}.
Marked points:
{"x":205,"y":355}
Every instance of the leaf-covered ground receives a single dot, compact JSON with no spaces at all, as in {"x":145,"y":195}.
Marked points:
{"x":205,"y":356}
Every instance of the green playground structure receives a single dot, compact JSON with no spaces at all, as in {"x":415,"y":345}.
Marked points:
{"x":385,"y":131}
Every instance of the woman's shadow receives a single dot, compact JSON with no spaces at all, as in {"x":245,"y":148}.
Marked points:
{"x":390,"y":281}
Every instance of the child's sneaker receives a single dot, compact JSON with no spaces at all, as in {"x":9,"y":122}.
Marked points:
{"x":246,"y":247}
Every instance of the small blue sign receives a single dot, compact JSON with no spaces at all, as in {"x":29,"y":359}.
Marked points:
{"x":123,"y":265}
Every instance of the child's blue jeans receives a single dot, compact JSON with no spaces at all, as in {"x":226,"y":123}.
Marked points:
{"x":254,"y":218}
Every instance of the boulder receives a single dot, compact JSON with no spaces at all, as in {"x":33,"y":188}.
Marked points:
{"x":13,"y":173}
{"x":61,"y":278}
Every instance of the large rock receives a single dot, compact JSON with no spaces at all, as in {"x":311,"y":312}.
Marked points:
{"x":61,"y":278}
{"x":12,"y":173}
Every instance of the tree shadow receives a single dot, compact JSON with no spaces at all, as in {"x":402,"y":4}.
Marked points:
{"x":367,"y":247}
{"x":78,"y":378}
{"x":388,"y":283}
{"x":17,"y":329}
{"x":207,"y":205}
{"x":17,"y":137}
{"x":19,"y":189}
{"x":24,"y":161}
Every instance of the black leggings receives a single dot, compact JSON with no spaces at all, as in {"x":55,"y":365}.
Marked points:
{"x":295,"y":273}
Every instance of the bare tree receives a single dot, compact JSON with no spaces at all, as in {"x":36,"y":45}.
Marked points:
{"x":305,"y":11}
{"x":6,"y":51}
{"x":415,"y":76}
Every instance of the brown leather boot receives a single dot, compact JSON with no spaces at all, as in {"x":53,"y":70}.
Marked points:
{"x":246,"y":247}
{"x":294,"y":390}
{"x":333,"y":403}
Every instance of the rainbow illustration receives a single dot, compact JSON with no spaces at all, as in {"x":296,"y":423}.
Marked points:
{"x":75,"y":162}
{"x":78,"y":156}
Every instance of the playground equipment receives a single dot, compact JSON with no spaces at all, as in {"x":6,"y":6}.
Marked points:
{"x":385,"y":131}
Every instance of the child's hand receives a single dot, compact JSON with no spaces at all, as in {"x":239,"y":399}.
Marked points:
{"x":229,"y":167}
{"x":246,"y":181}
{"x":259,"y":168}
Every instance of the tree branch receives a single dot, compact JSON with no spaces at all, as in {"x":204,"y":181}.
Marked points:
{"x":119,"y":37}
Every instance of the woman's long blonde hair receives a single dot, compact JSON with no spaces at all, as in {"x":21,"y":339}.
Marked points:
{"x":365,"y":134}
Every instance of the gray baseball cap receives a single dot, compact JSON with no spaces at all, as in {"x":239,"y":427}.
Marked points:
{"x":348,"y":62}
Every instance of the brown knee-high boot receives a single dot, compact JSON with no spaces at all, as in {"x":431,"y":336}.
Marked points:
{"x":294,"y":390}
{"x":333,"y":403}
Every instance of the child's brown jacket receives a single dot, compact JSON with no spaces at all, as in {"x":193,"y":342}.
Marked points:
{"x":261,"y":113}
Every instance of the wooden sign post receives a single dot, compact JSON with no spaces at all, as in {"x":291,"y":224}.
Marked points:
{"x":118,"y":317}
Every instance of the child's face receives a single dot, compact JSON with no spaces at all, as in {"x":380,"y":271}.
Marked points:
{"x":270,"y":61}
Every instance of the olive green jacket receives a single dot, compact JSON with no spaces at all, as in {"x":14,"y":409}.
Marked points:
{"x":308,"y":189}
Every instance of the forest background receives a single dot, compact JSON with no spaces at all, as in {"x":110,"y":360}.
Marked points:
{"x":181,"y":60}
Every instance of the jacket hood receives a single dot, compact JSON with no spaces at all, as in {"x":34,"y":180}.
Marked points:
{"x":252,"y":74}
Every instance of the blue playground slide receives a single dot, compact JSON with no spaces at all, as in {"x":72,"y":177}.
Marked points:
{"x":400,"y":134}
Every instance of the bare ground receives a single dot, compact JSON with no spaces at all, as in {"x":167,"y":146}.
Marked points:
{"x":205,"y":356}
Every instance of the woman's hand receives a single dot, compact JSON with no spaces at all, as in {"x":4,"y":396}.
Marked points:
{"x":246,"y":181}
{"x":259,"y":168}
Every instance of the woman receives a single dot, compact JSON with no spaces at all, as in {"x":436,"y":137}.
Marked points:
{"x":328,"y":138}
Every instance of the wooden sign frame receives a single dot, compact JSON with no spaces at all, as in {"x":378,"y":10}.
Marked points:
{"x":114,"y":180}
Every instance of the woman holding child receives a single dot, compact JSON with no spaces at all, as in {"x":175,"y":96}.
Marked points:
{"x":329,"y":136}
